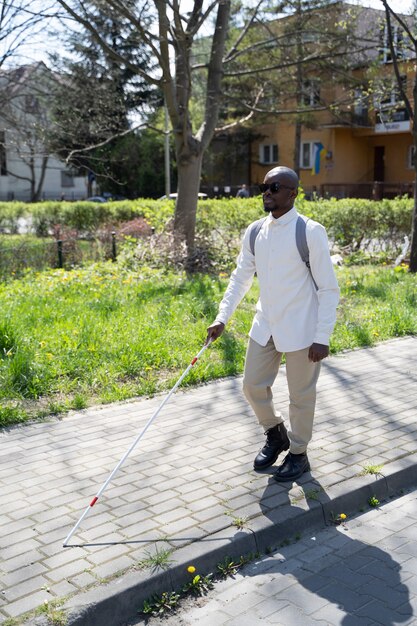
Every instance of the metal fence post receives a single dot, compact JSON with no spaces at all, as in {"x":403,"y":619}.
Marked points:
{"x":60,"y":255}
{"x":113,"y":247}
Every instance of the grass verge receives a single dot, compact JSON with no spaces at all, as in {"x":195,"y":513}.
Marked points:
{"x":69,"y":339}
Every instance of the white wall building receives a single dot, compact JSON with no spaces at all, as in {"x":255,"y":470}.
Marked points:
{"x":28,"y":172}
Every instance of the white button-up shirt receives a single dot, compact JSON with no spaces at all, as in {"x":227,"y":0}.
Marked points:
{"x":289,"y":309}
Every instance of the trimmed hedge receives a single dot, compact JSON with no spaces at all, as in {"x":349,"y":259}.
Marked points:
{"x":349,"y":222}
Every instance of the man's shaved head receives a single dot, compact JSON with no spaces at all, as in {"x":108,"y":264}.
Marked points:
{"x":284,"y":174}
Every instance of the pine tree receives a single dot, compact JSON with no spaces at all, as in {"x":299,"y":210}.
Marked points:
{"x":96,"y":99}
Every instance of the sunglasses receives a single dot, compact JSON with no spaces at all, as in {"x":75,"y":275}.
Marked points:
{"x":274,"y":187}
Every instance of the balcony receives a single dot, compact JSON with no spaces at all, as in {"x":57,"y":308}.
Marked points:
{"x":350,"y":119}
{"x":394,"y":121}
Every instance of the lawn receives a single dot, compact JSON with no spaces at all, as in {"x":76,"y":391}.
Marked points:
{"x":69,"y":339}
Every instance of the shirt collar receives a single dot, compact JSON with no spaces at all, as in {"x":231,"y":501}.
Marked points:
{"x":288,"y":217}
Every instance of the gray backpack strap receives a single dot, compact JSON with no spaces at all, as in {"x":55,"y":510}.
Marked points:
{"x":301,"y":241}
{"x":254,"y":232}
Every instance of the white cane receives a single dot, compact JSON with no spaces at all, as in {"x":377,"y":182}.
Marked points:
{"x":138,"y":438}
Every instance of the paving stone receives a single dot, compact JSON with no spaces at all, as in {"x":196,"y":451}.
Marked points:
{"x":57,"y":466}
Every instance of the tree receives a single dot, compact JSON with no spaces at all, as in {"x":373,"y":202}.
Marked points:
{"x":254,"y":52}
{"x":169,"y":37}
{"x":397,"y":23}
{"x":94,"y":98}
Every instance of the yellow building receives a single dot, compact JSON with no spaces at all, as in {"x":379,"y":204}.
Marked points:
{"x":363,"y":150}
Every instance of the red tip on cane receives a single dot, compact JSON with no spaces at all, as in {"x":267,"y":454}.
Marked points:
{"x":93,"y":501}
{"x":194,"y":360}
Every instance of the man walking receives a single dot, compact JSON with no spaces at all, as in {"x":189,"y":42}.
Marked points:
{"x":295,"y":315}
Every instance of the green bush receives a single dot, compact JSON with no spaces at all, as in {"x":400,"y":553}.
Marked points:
{"x":352,"y":224}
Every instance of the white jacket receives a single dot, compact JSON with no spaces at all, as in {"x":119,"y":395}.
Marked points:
{"x":289,"y":307}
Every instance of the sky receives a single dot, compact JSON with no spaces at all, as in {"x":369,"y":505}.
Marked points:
{"x":403,"y":6}
{"x":41,"y":43}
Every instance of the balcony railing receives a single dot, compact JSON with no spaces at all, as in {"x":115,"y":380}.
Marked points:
{"x":351,"y":118}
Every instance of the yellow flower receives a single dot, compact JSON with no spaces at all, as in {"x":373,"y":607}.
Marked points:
{"x":342,"y":516}
{"x":191,"y":569}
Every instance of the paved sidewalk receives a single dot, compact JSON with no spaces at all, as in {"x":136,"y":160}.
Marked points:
{"x":363,"y":573}
{"x":189,"y":477}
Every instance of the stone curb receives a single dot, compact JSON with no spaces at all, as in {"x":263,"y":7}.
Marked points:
{"x":118,"y":601}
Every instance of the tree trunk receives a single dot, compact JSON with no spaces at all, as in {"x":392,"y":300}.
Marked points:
{"x":297,"y":146}
{"x":38,"y":192}
{"x":299,"y":87}
{"x":32,"y":175}
{"x":413,"y":251}
{"x":189,"y":173}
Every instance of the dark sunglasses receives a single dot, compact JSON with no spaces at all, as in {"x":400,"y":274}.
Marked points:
{"x":274,"y":187}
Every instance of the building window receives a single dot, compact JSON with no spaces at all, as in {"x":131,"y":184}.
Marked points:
{"x":393,"y":97}
{"x":268,"y":153}
{"x":306,"y":155}
{"x":3,"y":156}
{"x":311,"y":93}
{"x":410,"y":159}
{"x":67,"y":178}
{"x":398,"y":40}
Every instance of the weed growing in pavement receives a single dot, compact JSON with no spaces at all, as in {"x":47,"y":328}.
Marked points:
{"x":228,"y":567}
{"x":159,"y":605}
{"x":158,"y":560}
{"x":54,"y":615}
{"x":199,"y":585}
{"x":373,"y":501}
{"x":311,"y":494}
{"x":239,"y":522}
{"x":371,"y":469}
{"x":337,"y":519}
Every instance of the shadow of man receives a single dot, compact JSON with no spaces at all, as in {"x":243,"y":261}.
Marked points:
{"x":336,"y":580}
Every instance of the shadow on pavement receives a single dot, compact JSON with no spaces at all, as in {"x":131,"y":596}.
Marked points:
{"x":360,"y":583}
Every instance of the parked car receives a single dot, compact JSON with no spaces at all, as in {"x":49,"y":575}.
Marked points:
{"x":173,"y":196}
{"x":97,"y":199}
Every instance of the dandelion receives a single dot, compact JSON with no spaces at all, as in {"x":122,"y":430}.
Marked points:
{"x":342,"y":516}
{"x":191,"y":569}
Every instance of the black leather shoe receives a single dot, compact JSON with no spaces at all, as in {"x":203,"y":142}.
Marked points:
{"x":292,"y":467}
{"x":276,"y":442}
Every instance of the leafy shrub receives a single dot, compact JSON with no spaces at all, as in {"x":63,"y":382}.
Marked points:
{"x":352,"y":224}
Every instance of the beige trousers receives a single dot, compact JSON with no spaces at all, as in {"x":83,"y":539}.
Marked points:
{"x":261,"y":369}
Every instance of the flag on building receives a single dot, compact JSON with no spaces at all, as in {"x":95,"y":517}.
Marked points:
{"x":319,"y":152}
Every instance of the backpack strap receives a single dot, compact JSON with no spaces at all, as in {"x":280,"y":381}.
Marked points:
{"x":302,"y":246}
{"x":256,"y":227}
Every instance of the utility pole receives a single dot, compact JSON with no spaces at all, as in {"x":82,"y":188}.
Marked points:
{"x":167,"y":160}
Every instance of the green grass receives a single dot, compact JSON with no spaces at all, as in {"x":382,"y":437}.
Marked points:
{"x":69,"y":339}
